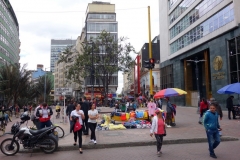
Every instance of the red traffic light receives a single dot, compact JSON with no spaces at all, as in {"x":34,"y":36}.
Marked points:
{"x":151,"y":60}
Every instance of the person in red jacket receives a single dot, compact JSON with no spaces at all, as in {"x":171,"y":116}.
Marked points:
{"x":203,"y":109}
{"x":44,"y":113}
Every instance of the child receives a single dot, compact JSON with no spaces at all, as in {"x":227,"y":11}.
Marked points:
{"x":212,"y":127}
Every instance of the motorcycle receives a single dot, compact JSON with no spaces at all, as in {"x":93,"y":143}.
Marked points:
{"x":44,"y":138}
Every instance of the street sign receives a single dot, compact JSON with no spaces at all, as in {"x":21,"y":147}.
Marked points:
{"x":60,"y":91}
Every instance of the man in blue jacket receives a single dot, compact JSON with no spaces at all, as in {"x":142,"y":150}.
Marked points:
{"x":212,"y":127}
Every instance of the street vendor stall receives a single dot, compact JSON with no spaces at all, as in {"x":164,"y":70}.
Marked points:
{"x":134,"y":115}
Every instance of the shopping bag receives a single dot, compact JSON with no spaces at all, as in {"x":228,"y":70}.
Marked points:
{"x":77,"y":126}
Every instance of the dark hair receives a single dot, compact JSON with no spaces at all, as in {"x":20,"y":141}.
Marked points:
{"x":44,"y":104}
{"x":204,"y":100}
{"x":232,"y":96}
{"x":214,"y":105}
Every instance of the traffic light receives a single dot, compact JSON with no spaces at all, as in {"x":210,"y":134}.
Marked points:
{"x":149,"y":63}
{"x":152,"y":63}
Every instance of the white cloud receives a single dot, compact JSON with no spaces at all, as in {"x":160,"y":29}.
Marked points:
{"x":37,"y":29}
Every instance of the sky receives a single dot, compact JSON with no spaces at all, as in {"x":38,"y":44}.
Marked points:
{"x":43,"y":20}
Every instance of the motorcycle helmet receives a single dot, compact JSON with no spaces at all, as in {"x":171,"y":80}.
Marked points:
{"x":25,"y":117}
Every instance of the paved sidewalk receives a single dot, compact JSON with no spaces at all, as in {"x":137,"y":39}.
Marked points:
{"x":187,"y":130}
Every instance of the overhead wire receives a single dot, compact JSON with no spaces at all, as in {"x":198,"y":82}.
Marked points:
{"x":123,"y":9}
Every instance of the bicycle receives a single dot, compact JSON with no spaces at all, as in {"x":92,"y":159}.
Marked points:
{"x":59,"y":130}
{"x":2,"y":127}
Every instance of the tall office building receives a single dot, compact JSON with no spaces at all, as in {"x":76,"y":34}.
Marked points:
{"x":58,"y":46}
{"x":101,"y":16}
{"x":9,"y":37}
{"x":200,"y":47}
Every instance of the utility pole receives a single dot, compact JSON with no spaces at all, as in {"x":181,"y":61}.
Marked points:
{"x":45,"y":85}
{"x":92,"y":74}
{"x":150,"y":51}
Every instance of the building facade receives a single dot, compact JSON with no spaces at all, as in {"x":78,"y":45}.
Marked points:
{"x":101,"y":16}
{"x":9,"y":34}
{"x":202,"y":47}
{"x":58,"y":46}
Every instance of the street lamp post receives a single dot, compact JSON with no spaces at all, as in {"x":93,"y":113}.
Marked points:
{"x":196,"y":61}
{"x":45,"y":87}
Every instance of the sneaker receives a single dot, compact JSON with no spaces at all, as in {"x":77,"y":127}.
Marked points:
{"x":168,"y":126}
{"x":159,"y":154}
{"x":91,"y":141}
{"x":95,"y":142}
{"x":213,"y":156}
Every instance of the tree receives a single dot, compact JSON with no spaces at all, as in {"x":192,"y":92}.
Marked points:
{"x":40,"y":87}
{"x":99,"y":59}
{"x":16,"y":82}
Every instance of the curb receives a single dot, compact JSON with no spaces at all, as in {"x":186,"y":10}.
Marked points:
{"x":134,"y":144}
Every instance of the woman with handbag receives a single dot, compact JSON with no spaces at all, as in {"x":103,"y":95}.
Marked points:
{"x":158,"y":128}
{"x":76,"y":117}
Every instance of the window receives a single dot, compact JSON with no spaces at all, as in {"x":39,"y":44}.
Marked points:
{"x":203,"y":29}
{"x":193,"y":16}
{"x":166,"y":76}
{"x":234,"y":59}
{"x":180,"y":9}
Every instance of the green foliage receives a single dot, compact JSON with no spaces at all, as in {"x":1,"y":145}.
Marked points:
{"x":108,"y":56}
{"x":15,"y":82}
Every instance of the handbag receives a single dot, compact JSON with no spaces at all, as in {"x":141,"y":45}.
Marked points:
{"x":77,"y":126}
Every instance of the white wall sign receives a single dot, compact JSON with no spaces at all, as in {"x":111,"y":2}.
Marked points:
{"x":59,"y":91}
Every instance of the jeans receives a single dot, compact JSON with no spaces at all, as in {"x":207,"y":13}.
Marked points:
{"x":159,"y":139}
{"x":213,"y":140}
{"x":45,"y":124}
{"x":92,"y":127}
{"x":79,"y":135}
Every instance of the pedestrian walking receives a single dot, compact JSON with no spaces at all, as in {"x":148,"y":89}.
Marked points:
{"x":77,"y":115}
{"x":169,"y":112}
{"x":230,"y":107}
{"x":92,"y":123}
{"x":86,"y":107}
{"x":218,"y":110}
{"x":212,"y":127}
{"x":203,"y":108}
{"x":17,"y":110}
{"x":44,"y":113}
{"x":151,"y":108}
{"x":158,"y":129}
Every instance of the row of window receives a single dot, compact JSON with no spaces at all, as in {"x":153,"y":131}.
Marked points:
{"x":171,"y":3}
{"x":14,"y":46}
{"x":218,"y":20}
{"x":183,"y":6}
{"x":97,"y":81}
{"x":234,"y":59}
{"x":6,"y":42}
{"x":166,"y":77}
{"x":99,"y":27}
{"x":95,"y":35}
{"x":192,"y":16}
{"x":101,"y":16}
{"x":14,"y":30}
{"x":8,"y":14}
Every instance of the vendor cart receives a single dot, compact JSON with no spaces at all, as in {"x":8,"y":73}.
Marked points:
{"x":236,"y":108}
